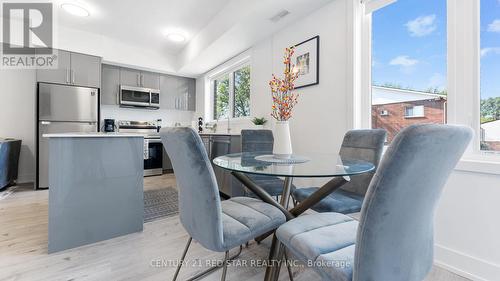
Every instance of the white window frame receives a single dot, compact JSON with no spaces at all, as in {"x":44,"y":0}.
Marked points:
{"x":413,"y":115}
{"x":230,"y":71}
{"x":463,"y":63}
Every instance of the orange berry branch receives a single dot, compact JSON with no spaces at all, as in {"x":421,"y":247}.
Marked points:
{"x":284,"y":99}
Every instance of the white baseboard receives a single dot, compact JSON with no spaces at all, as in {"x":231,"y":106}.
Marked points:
{"x":465,"y":265}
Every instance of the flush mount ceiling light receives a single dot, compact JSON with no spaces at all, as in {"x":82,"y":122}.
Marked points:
{"x":75,"y":10}
{"x":176,"y":37}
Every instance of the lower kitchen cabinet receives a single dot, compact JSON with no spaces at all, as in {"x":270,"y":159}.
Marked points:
{"x":218,"y":145}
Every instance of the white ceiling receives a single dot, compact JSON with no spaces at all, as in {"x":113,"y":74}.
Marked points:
{"x":216,"y":30}
{"x":143,"y":22}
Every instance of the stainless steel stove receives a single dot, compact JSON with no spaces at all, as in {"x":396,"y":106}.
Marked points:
{"x":153,"y":148}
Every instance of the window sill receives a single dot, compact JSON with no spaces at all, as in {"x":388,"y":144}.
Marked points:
{"x":479,"y":164}
{"x":412,"y":117}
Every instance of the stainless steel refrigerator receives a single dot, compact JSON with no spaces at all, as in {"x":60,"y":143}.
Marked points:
{"x":62,"y":109}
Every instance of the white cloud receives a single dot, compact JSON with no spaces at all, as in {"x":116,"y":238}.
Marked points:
{"x":494,"y":26}
{"x":421,"y":26}
{"x":403,"y":61}
{"x":492,"y":50}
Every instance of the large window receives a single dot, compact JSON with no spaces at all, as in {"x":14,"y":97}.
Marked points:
{"x":221,"y":97}
{"x":409,"y":65}
{"x":232,"y":94}
{"x":490,"y":70}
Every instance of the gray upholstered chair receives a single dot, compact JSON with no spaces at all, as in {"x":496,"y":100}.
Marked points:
{"x":217,"y":226}
{"x":364,"y":145}
{"x":393,"y":240}
{"x":261,"y":141}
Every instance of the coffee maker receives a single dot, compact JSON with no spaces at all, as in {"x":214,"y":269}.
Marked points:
{"x":109,"y":125}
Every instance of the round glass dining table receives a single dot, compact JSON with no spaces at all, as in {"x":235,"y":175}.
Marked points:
{"x":307,"y":165}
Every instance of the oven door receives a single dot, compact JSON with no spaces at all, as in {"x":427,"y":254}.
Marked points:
{"x":133,"y":96}
{"x":153,"y":157}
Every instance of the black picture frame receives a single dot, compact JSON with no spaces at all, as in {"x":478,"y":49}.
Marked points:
{"x":316,"y":82}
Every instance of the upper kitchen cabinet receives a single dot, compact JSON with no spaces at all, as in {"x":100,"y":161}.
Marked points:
{"x":85,"y":70}
{"x":136,"y":78}
{"x":191,"y":94}
{"x":61,"y":75}
{"x":186,"y":94}
{"x":73,"y":69}
{"x":168,"y":89}
{"x":110,"y":84}
{"x":130,"y":77}
{"x":150,"y":80}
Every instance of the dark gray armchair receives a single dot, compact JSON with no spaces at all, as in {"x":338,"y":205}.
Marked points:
{"x":217,"y":226}
{"x":261,"y":141}
{"x":364,"y":145}
{"x":393,"y":240}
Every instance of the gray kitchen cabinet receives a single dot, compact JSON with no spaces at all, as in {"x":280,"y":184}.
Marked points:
{"x":185,"y":98}
{"x":85,"y":70}
{"x":191,"y":94}
{"x":110,"y":84}
{"x":218,"y":145}
{"x":182,"y":94}
{"x":137,"y":78}
{"x":60,"y":75}
{"x":130,"y":77}
{"x":150,"y":80}
{"x":168,"y":89}
{"x":73,"y":69}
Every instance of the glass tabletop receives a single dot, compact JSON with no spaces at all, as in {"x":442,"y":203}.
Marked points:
{"x":317,"y":165}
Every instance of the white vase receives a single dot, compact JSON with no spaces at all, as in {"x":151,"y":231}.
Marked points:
{"x":282,"y":147}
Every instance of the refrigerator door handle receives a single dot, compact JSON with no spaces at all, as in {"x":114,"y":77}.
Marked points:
{"x":72,"y":76}
{"x":45,"y":122}
{"x":67,"y":76}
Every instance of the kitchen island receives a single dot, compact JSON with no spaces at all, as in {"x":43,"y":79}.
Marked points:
{"x":95,"y":187}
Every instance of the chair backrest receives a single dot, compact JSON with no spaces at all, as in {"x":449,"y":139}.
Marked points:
{"x":395,"y":234}
{"x":366,"y":145}
{"x":199,"y":202}
{"x":257,"y":141}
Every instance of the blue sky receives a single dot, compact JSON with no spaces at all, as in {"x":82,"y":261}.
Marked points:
{"x":409,"y":45}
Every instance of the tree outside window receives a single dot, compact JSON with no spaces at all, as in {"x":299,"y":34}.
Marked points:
{"x":232,"y":94}
{"x":242,"y":92}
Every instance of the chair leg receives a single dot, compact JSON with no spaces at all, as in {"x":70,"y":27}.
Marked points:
{"x":182,"y":258}
{"x":288,"y":267}
{"x":213,"y":268}
{"x":224,"y":266}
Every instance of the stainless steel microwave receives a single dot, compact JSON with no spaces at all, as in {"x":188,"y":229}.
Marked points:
{"x":139,"y":97}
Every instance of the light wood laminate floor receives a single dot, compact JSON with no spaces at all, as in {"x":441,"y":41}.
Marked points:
{"x":141,"y":256}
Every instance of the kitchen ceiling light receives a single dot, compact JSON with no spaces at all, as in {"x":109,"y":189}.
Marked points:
{"x":176,"y":37}
{"x":75,"y":10}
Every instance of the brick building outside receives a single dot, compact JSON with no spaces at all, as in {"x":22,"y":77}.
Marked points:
{"x":395,"y":109}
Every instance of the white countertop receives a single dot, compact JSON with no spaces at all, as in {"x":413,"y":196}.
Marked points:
{"x":93,"y":135}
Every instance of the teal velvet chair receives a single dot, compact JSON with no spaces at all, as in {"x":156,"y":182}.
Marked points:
{"x":393,"y":240}
{"x":262,"y":141}
{"x":217,"y":226}
{"x":364,"y":145}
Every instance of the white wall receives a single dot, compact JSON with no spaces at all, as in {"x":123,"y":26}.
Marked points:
{"x":17,"y":113}
{"x":322,"y":105}
{"x":466,"y":226}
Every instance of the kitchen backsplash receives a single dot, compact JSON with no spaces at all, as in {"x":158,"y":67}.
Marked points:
{"x":168,"y":117}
